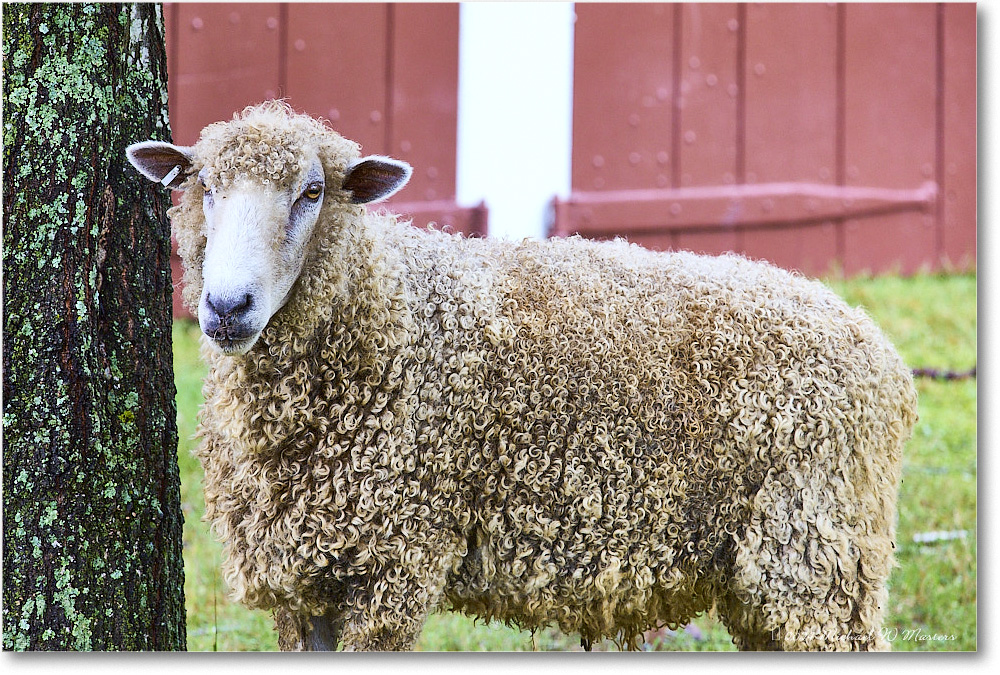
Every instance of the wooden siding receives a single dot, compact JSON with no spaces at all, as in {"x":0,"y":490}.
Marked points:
{"x":813,"y":135}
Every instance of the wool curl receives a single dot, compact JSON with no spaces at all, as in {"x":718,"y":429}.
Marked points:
{"x":564,"y":432}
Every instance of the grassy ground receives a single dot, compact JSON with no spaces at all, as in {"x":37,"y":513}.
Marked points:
{"x":931,"y":319}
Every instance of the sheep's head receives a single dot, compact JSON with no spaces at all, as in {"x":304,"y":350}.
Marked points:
{"x":264,"y":179}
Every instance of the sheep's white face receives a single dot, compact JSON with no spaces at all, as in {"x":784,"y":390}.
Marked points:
{"x":256,"y":240}
{"x":257,"y":233}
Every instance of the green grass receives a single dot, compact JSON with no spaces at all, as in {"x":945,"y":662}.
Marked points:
{"x":930,"y":318}
{"x":213,"y":623}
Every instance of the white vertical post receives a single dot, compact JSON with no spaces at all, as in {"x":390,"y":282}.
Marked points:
{"x":515,"y":107}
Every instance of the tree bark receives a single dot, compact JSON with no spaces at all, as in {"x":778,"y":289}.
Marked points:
{"x":91,"y":491}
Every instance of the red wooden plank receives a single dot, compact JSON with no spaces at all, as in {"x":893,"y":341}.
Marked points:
{"x":337,"y":63}
{"x":809,"y":249}
{"x":890,"y":120}
{"x":170,"y":33}
{"x":424,"y":124}
{"x":791,"y":120}
{"x":708,"y":243}
{"x":708,"y":94}
{"x":623,"y":96}
{"x":959,"y":162}
{"x":723,"y":207}
{"x":654,"y":241}
{"x":707,"y":147}
{"x":226,"y":59}
{"x":791,"y":93}
{"x":444,"y":214}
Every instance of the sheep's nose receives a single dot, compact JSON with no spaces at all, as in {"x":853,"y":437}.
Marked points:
{"x":229,"y":307}
{"x":232,"y":320}
{"x":227,"y":318}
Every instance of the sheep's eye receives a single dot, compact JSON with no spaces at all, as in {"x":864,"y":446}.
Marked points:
{"x":313,"y":191}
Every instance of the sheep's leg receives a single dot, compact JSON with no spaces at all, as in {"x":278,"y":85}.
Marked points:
{"x":389,"y":615}
{"x":807,"y":587}
{"x":399,"y":637}
{"x":300,"y":633}
{"x":392,"y":623}
{"x":807,"y":624}
{"x":324,"y":634}
{"x":743,"y":621}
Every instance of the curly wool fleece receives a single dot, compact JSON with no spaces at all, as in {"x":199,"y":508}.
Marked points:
{"x":564,"y":432}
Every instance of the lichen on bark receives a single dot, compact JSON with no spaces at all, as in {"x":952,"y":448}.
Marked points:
{"x":92,"y":519}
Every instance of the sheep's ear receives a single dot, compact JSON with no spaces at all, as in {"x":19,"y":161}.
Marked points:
{"x":161,"y":162}
{"x":374,"y":178}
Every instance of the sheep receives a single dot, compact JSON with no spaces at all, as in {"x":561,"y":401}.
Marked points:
{"x":563,"y":432}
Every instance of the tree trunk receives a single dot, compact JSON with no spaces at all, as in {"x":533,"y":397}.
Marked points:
{"x":91,"y":492}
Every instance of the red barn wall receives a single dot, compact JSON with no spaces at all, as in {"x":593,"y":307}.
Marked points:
{"x":817,"y":136}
